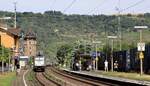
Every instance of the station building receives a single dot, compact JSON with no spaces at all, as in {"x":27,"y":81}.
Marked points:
{"x":9,"y":38}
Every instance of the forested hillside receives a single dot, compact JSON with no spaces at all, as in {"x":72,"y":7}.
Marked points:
{"x":54,"y":28}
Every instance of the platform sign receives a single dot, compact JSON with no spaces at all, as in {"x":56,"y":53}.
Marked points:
{"x":141,"y":55}
{"x":93,"y":54}
{"x":141,"y":46}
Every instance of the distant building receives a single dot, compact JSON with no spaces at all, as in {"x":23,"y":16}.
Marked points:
{"x":30,"y":44}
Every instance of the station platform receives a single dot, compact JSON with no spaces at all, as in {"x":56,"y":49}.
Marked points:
{"x":117,"y":76}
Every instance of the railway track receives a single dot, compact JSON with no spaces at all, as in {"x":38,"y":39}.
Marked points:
{"x":76,"y":80}
{"x":56,"y":77}
{"x":45,"y":81}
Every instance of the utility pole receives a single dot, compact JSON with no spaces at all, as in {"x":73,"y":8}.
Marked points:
{"x":96,"y":42}
{"x":2,"y":58}
{"x":15,"y":19}
{"x":119,"y":33}
{"x":112,"y":39}
{"x":112,"y":59}
{"x":9,"y":60}
{"x":119,"y":28}
{"x":141,"y":60}
{"x":96,"y":58}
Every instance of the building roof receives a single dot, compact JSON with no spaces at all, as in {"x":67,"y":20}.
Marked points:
{"x":15,"y":31}
{"x":11,"y":31}
{"x":30,"y":35}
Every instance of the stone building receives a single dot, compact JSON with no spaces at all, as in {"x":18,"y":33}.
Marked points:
{"x":30,"y":44}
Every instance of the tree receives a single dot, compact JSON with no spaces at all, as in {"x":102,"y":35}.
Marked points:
{"x":4,"y":56}
{"x":44,"y":25}
{"x":62,"y":53}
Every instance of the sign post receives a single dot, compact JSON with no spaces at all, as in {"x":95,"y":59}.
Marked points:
{"x":141,"y":55}
{"x":141,"y":48}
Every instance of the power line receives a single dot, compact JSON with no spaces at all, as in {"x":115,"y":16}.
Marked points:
{"x":70,"y":5}
{"x":119,"y":11}
{"x":131,"y":6}
{"x":53,"y":3}
{"x":100,"y":4}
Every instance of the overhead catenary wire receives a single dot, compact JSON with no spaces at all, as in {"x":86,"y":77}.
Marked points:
{"x":52,"y":4}
{"x":100,"y":4}
{"x":69,"y":6}
{"x":131,"y":6}
{"x":121,"y":10}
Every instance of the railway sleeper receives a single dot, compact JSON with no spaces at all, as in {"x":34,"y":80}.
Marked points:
{"x":58,"y":80}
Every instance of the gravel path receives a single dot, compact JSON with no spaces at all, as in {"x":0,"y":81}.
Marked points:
{"x":19,"y":79}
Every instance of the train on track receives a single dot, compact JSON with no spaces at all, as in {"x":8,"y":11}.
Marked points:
{"x":39,"y":62}
{"x":127,"y":60}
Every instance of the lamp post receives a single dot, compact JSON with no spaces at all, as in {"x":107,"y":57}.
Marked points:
{"x":112,"y":39}
{"x":141,"y":47}
{"x":96,"y":42}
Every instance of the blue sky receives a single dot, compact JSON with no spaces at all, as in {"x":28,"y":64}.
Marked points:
{"x":79,"y":7}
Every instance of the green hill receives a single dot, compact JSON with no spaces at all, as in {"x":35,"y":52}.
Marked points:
{"x":76,"y":27}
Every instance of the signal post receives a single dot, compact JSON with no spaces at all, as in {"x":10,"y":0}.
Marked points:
{"x":141,"y":48}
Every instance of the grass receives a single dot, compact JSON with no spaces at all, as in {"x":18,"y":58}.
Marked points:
{"x":134,"y":76}
{"x":30,"y":76}
{"x":7,"y":78}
